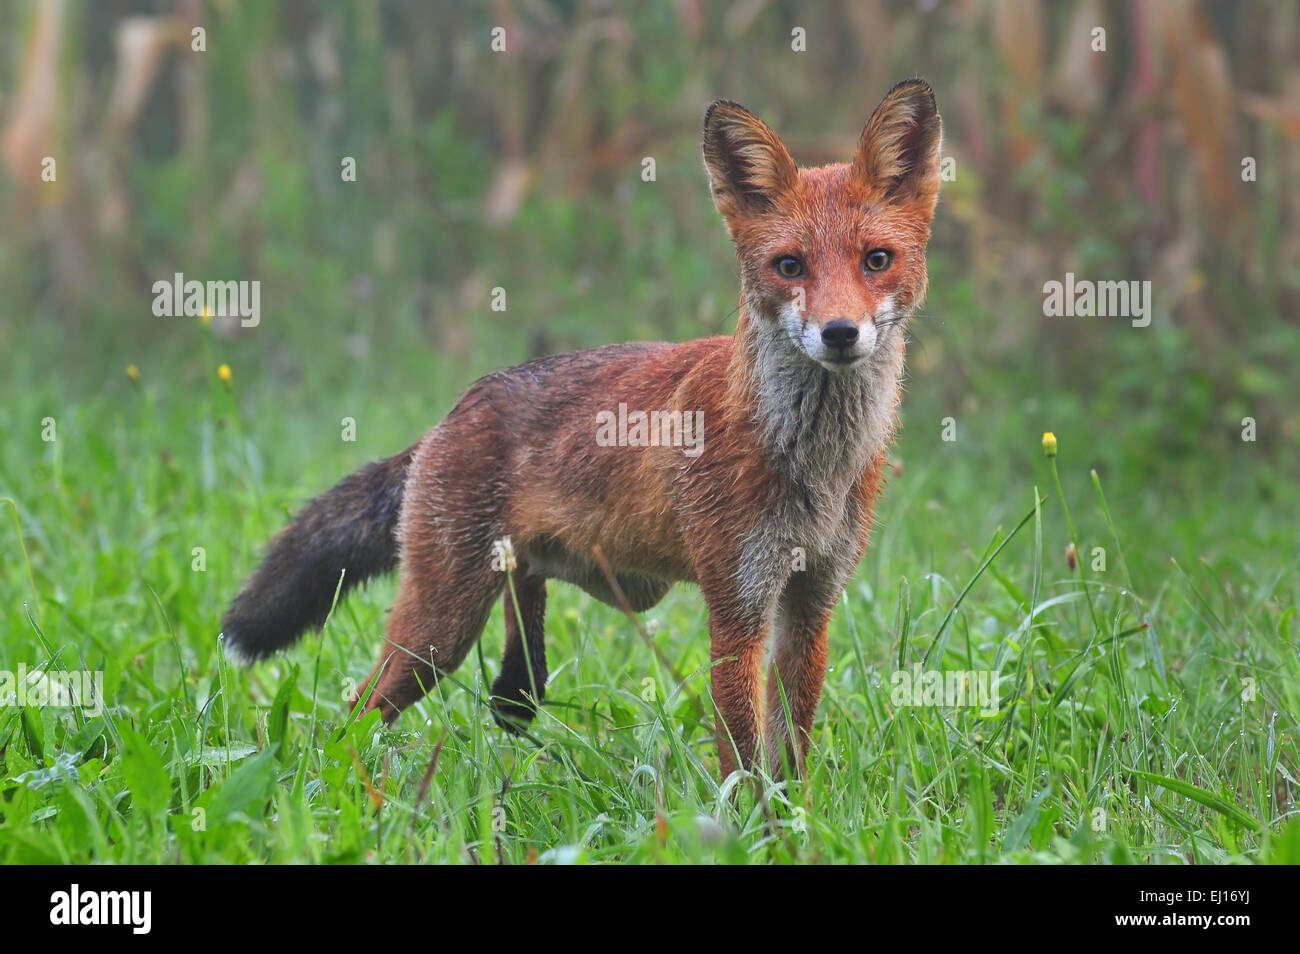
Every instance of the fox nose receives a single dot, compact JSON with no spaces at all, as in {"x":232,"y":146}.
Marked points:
{"x":840,"y":333}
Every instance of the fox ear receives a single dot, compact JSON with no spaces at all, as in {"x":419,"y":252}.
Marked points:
{"x":748,"y":164}
{"x":898,"y":154}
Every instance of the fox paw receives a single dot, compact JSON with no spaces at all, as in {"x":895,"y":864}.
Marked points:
{"x":512,"y":709}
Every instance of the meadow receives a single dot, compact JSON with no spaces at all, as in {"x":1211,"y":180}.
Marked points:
{"x":1146,"y":710}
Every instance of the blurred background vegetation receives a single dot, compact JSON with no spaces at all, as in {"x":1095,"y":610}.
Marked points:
{"x":522,"y":169}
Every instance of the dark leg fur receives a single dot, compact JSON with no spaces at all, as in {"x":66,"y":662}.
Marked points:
{"x":517,"y":683}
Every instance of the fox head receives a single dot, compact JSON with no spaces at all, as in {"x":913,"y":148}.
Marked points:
{"x":833,"y":257}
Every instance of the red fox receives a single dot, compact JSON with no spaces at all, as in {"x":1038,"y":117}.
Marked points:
{"x":766,"y":503}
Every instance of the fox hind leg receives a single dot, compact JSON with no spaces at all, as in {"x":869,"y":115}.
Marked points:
{"x":439,"y":613}
{"x":521,"y":684}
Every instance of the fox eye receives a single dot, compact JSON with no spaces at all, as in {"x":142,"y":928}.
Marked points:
{"x":877,"y":260}
{"x":789,"y":266}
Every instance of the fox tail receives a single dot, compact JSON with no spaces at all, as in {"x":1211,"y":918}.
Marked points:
{"x":347,"y":530}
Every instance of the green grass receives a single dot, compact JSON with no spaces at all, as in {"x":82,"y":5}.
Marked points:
{"x":1165,"y":732}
